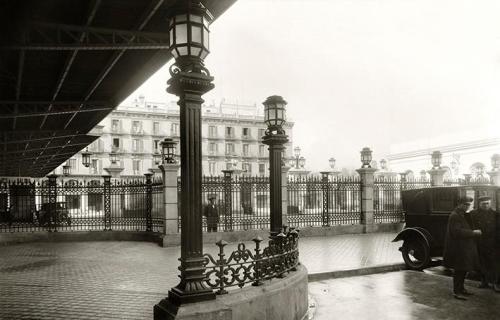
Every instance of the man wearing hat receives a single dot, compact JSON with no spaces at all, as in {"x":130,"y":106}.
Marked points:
{"x":460,"y":250}
{"x":485,"y":219}
{"x":212,"y":214}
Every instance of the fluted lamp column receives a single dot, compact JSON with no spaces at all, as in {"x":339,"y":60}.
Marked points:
{"x":275,"y":138}
{"x":190,"y":79}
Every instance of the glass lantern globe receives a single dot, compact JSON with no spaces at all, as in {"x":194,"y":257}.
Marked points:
{"x":366,"y":157}
{"x":168,"y":147}
{"x":274,"y":112}
{"x":495,"y":161}
{"x":188,"y":29}
{"x":302,"y":162}
{"x":332,"y":161}
{"x":296,"y":151}
{"x":113,"y":157}
{"x":436,"y":159}
{"x":157,"y":158}
{"x":86,"y":158}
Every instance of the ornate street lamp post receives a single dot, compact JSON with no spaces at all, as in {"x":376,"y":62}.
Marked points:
{"x":297,"y":161}
{"x":332,"y":161}
{"x":113,"y":157}
{"x":188,"y":29}
{"x":275,"y":138}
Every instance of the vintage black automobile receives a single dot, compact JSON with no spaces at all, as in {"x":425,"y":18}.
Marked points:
{"x":426,"y":212}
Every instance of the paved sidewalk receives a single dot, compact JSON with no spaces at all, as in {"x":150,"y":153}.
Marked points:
{"x":123,"y":280}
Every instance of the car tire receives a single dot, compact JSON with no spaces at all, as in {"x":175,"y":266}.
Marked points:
{"x":416,"y":253}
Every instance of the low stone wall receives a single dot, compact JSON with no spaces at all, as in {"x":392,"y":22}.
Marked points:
{"x":171,"y":240}
{"x":277,"y":299}
{"x":44,"y":236}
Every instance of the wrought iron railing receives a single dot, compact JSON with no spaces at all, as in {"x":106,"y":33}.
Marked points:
{"x":242,"y":266}
{"x":313,"y":201}
{"x":387,"y":206}
{"x":96,"y":205}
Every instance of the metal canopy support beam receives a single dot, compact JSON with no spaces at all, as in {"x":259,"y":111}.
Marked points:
{"x":51,"y":36}
{"x":67,"y":110}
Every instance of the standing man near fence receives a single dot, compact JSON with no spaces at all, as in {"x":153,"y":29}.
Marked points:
{"x":460,"y":250}
{"x":485,"y":219}
{"x":211,"y":212}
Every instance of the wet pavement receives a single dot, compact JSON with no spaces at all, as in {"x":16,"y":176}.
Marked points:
{"x":402,"y":295}
{"x":123,"y":280}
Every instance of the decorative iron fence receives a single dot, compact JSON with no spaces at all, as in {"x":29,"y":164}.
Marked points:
{"x":315,"y":201}
{"x":242,"y":202}
{"x":387,"y":205}
{"x":96,"y":205}
{"x":243,"y":266}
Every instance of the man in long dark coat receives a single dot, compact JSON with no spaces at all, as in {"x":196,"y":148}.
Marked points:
{"x":212,"y":214}
{"x":460,"y":250}
{"x":485,"y":219}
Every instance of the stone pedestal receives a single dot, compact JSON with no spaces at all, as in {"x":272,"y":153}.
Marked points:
{"x":114,"y":170}
{"x":367,"y":181}
{"x":170,"y":195}
{"x":494,"y":177}
{"x":437,"y":177}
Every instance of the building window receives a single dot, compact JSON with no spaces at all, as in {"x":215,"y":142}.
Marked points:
{"x":262,"y":132}
{"x":136,"y":167}
{"x":136,"y":127}
{"x":72,"y":164}
{"x":212,"y":148}
{"x":247,"y":167}
{"x":156,"y":128}
{"x":245,"y":149}
{"x":136,"y":145}
{"x":212,"y":131}
{"x":229,"y":132}
{"x":211,"y":168}
{"x":156,"y":146}
{"x":262,"y":168}
{"x":115,"y":125}
{"x":94,"y":166}
{"x":229,"y":166}
{"x":116,"y":144}
{"x":262,"y":150}
{"x":73,"y":202}
{"x":229,"y":148}
{"x":246,"y":132}
{"x":174,"y":131}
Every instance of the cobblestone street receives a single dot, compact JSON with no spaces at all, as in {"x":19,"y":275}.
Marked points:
{"x":123,"y":280}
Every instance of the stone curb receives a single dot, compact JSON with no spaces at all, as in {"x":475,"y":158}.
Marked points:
{"x":356,"y":272}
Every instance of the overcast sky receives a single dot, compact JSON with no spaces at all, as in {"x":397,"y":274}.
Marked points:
{"x":359,"y":73}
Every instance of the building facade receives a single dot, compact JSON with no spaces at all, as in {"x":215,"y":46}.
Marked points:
{"x":462,"y":153}
{"x":231,"y":135}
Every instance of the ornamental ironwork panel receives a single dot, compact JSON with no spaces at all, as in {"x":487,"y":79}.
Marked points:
{"x":244,"y":266}
{"x":315,"y":202}
{"x":387,"y":206}
{"x":73,"y":205}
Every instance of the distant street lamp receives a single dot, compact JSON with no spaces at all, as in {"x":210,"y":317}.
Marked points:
{"x":436,"y":160}
{"x":332,"y":161}
{"x":113,"y":157}
{"x":157,"y":158}
{"x":275,"y":138}
{"x":495,"y":161}
{"x":188,"y":27}
{"x":366,"y":157}
{"x":168,"y":147}
{"x":383,"y":164}
{"x":86,"y":158}
{"x":297,"y":162}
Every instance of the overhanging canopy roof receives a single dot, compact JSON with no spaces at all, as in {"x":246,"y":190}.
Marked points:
{"x":65,"y":65}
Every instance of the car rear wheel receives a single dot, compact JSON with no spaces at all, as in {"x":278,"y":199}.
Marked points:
{"x":416,"y":254}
